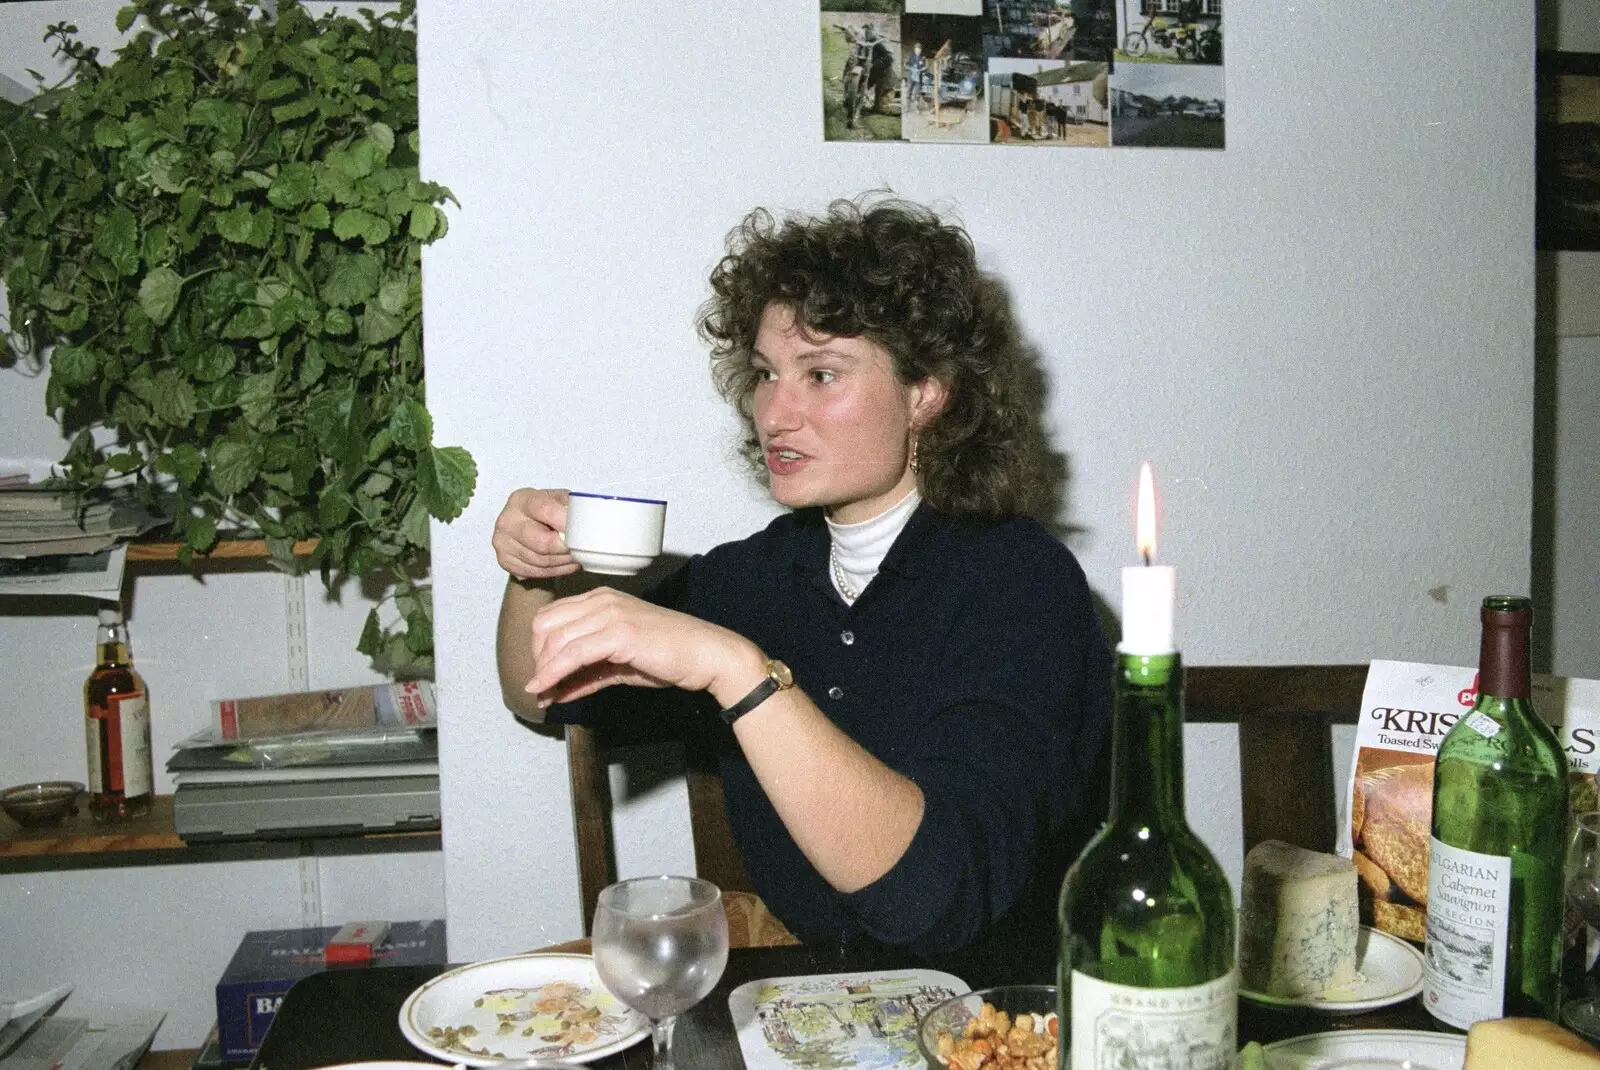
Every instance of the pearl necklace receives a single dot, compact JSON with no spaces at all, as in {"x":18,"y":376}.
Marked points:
{"x":845,"y":590}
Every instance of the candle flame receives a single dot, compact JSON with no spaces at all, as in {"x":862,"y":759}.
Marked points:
{"x":1145,"y":531}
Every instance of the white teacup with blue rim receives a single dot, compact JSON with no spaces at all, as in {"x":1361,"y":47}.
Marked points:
{"x":612,"y":534}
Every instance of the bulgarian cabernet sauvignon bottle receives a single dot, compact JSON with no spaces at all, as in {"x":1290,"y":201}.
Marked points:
{"x":1495,"y":860}
{"x":1146,"y":971}
{"x":117,"y":723}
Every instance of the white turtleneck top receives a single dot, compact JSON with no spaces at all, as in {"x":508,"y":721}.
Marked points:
{"x":856,"y":550}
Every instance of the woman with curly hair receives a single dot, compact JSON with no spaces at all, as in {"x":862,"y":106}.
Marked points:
{"x":912,"y":685}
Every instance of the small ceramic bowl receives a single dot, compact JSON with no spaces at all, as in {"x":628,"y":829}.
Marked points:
{"x":953,"y":1015}
{"x":44,"y":803}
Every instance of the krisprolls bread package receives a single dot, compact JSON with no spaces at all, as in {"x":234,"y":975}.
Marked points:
{"x":1406,"y":709}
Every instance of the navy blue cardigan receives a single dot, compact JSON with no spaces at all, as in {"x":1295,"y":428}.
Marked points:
{"x":973,"y":664}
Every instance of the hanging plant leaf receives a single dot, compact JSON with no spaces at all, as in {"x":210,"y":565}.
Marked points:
{"x":447,"y":477}
{"x":201,"y":534}
{"x":184,"y":462}
{"x":117,"y":239}
{"x":72,"y":366}
{"x":351,"y":280}
{"x":371,"y":641}
{"x":159,"y":293}
{"x":235,"y":460}
{"x":411,"y":426}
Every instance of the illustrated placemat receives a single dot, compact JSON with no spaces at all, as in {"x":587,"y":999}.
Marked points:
{"x":823,"y":1021}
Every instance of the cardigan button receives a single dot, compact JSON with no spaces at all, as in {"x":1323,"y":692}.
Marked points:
{"x":847,"y":638}
{"x":836,"y":692}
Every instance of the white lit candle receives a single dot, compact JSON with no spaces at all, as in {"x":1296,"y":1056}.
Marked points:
{"x":1148,"y":591}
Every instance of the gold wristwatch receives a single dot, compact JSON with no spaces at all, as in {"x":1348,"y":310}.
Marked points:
{"x":779,"y":678}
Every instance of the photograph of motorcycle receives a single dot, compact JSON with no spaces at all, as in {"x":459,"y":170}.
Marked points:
{"x":1187,"y":36}
{"x":868,"y":78}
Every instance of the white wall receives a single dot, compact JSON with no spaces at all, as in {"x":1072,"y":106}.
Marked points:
{"x":161,"y":935}
{"x":1306,"y":333}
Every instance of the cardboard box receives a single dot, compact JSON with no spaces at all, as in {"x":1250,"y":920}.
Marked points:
{"x":269,"y":961}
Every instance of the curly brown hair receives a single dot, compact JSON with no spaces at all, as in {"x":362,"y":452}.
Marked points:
{"x":895,"y":273}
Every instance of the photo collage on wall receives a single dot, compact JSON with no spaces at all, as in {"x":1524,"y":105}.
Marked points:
{"x":1024,"y":72}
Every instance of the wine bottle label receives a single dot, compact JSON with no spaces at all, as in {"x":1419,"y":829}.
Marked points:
{"x":1484,"y":725}
{"x":1469,"y":908}
{"x":1115,"y":1026}
{"x":133,"y":712}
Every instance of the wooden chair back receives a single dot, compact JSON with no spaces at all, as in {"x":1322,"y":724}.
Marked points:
{"x":1284,"y":713}
{"x":589,"y":754}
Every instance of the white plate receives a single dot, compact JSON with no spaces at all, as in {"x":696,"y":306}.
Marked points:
{"x":383,"y":1064}
{"x":1388,"y":969}
{"x":1369,"y":1049}
{"x":549,"y":1006}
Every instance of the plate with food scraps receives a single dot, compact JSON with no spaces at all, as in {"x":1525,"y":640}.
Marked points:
{"x":534,"y":1006}
{"x":383,"y":1064}
{"x":1368,"y":1049}
{"x":1388,"y":971}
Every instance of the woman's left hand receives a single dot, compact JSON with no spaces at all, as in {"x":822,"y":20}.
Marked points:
{"x":604,"y":637}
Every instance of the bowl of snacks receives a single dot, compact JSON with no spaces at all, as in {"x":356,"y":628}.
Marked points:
{"x":43,"y":803}
{"x":1011,"y":1027}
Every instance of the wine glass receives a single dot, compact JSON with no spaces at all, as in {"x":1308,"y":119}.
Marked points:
{"x":1583,"y":899}
{"x":660,"y":945}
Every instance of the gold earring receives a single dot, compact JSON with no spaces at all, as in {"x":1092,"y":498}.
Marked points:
{"x":914,"y":466}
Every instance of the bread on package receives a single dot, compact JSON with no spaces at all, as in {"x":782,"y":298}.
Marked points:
{"x":1400,"y":919}
{"x":1375,"y":883}
{"x":1397,"y":809}
{"x":1358,"y":810}
{"x":1583,"y":792}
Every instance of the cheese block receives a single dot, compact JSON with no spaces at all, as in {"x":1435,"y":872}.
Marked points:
{"x":1527,"y":1044}
{"x":1300,"y":921}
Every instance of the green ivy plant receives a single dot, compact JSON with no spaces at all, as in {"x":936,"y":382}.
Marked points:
{"x":218,"y":237}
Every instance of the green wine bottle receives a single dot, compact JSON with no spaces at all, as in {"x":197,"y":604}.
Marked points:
{"x":1499,"y":829}
{"x":1146,"y":969}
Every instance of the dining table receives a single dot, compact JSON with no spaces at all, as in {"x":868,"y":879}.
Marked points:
{"x":351,"y":1015}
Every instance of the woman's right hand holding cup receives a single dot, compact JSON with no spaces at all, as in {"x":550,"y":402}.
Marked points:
{"x":528,"y":532}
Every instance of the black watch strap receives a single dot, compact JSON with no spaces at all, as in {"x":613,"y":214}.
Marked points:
{"x":778,"y":679}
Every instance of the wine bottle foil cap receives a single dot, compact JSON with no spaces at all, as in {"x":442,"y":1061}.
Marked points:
{"x":1503,"y":651}
{"x":1506,"y":610}
{"x":110,"y":615}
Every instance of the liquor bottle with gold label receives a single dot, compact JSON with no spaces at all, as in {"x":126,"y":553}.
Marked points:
{"x":117,"y":725}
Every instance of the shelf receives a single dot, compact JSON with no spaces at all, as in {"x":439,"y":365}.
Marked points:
{"x":224,"y":550}
{"x":82,"y":842}
{"x":82,"y":834}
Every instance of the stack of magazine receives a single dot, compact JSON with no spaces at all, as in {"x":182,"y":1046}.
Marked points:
{"x":44,"y":520}
{"x":318,"y":763}
{"x":55,"y":540}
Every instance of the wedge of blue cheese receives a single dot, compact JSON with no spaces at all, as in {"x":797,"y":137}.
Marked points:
{"x":1299,"y":923}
